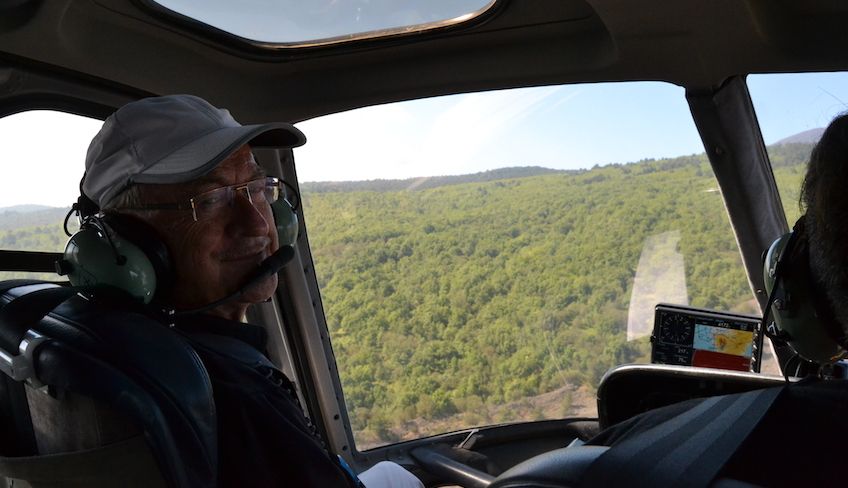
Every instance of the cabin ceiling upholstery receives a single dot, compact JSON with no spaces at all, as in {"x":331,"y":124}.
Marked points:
{"x":694,"y":43}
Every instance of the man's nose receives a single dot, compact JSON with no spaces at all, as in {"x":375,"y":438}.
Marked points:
{"x":248,"y":215}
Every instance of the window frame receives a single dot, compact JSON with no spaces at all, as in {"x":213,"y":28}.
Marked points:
{"x":363,"y":38}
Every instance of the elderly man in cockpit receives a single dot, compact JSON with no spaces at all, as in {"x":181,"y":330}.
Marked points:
{"x":182,"y":170}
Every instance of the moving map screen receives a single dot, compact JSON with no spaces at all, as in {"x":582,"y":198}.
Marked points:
{"x":695,"y":337}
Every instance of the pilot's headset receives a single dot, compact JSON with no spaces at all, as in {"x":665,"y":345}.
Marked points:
{"x":126,"y":253}
{"x":802,"y":315}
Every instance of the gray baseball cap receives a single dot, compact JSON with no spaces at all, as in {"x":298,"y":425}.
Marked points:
{"x":170,"y":139}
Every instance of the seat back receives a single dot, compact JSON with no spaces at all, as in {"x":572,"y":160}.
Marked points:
{"x":92,"y":384}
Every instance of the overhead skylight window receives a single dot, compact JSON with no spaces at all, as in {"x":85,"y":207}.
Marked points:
{"x":295,"y":23}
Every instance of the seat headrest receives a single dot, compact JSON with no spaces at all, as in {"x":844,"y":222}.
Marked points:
{"x":127,"y":360}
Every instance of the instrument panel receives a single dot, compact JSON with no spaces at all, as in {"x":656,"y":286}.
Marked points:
{"x":688,"y":336}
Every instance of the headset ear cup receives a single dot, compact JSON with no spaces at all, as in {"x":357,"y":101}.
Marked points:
{"x":285,"y":219}
{"x":801,"y":317}
{"x":97,"y":256}
{"x":147,"y":239}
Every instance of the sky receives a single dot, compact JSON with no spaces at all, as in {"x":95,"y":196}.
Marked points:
{"x":292,"y":21}
{"x":563,"y":127}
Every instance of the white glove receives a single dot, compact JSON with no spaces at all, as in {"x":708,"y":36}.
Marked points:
{"x":387,"y":474}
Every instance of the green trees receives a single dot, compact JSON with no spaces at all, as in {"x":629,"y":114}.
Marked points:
{"x":479,"y":293}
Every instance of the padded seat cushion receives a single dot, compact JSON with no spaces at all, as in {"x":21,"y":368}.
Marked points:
{"x":128,"y":464}
{"x":142,"y":369}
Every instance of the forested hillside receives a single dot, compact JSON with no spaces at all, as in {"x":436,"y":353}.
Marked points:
{"x":498,"y":296}
{"x":32,"y":228}
{"x":447,"y":301}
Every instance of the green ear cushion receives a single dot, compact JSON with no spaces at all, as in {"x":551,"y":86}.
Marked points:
{"x":794,"y":310}
{"x":286,"y":220}
{"x":92,"y":261}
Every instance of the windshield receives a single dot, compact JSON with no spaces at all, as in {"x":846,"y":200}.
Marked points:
{"x":793,"y":109}
{"x":38,"y":190}
{"x":485,"y":258}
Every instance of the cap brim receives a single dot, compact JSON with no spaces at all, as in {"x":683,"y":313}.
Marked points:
{"x":202,"y":155}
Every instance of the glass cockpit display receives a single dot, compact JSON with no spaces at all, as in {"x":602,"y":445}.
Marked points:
{"x":695,"y":337}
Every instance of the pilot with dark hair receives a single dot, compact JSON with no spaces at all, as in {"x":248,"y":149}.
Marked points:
{"x":798,"y":441}
{"x":185,"y":169}
{"x":825,"y":199}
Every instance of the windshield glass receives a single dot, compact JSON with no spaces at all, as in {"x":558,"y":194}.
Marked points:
{"x":297,"y":23}
{"x":793,"y":109}
{"x":38,"y":189}
{"x":485,"y":258}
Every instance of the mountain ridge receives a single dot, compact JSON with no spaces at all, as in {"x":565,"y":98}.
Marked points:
{"x":428,"y":182}
{"x":811,"y":136}
{"x":787,"y":151}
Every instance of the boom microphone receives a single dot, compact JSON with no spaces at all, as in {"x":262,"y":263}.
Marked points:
{"x":267,"y":268}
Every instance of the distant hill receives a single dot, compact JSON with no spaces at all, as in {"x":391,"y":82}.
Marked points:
{"x":789,"y":151}
{"x":811,"y":136}
{"x":427,"y":182}
{"x":20,"y":216}
{"x":789,"y":154}
{"x":24,"y":208}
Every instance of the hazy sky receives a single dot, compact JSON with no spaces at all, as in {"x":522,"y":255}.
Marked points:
{"x":297,"y":20}
{"x":565,"y":127}
{"x":572,"y":126}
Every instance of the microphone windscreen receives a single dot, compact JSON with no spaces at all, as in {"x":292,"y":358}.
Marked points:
{"x":275,"y":262}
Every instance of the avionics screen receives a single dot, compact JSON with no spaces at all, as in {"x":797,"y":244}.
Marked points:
{"x":695,"y":337}
{"x":719,"y":339}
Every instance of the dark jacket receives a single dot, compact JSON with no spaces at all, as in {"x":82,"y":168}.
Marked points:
{"x":264,"y":439}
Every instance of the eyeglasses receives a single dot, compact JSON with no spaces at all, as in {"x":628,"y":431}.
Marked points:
{"x":210,"y":203}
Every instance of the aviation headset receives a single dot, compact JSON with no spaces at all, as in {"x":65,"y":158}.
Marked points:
{"x":802,"y":316}
{"x":126,"y":253}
